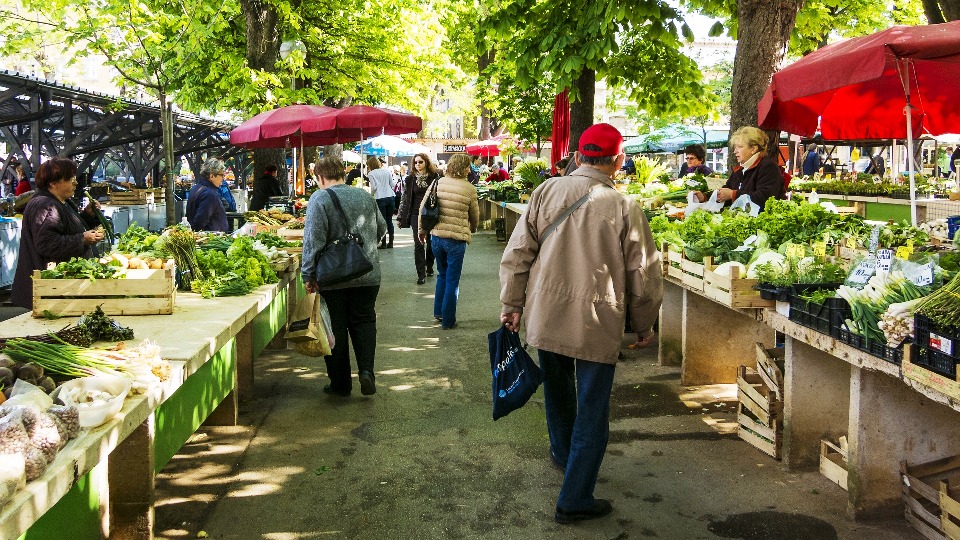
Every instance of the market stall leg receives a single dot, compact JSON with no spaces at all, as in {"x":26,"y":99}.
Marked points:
{"x":816,"y":402}
{"x":131,"y":485}
{"x":244,"y":364}
{"x":890,"y":422}
{"x":717,"y":339}
{"x":671,"y":326}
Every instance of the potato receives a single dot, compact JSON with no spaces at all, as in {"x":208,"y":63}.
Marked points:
{"x":156,"y":264}
{"x":134,"y":262}
{"x":124,"y":262}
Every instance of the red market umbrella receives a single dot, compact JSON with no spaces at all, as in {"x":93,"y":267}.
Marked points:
{"x":357,"y":121}
{"x":280,"y":127}
{"x":487,"y":148}
{"x":887,"y":85}
{"x":561,"y":129}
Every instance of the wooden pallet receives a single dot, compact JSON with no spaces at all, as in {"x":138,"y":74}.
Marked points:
{"x":142,"y":292}
{"x":833,"y":461}
{"x":759,"y":413}
{"x":929,"y":494}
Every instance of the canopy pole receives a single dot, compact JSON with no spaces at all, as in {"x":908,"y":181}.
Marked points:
{"x":903,"y":69}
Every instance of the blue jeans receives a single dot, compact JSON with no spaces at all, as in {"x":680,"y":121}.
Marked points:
{"x":449,"y":257}
{"x":576,"y":396}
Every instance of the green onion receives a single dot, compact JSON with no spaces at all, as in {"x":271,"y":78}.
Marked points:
{"x":65,"y":359}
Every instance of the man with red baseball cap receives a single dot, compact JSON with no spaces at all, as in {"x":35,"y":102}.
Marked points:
{"x":580,"y":259}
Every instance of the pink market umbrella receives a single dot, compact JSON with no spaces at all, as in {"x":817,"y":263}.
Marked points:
{"x":280,"y":127}
{"x":358,"y":121}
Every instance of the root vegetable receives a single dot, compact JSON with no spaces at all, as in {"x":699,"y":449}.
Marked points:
{"x":69,"y":418}
{"x":36,"y":463}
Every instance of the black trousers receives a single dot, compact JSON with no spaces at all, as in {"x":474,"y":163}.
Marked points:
{"x":352,"y":313}
{"x":422,"y":252}
{"x":386,"y":206}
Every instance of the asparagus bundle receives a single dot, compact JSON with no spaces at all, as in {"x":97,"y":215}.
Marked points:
{"x":943,"y":305}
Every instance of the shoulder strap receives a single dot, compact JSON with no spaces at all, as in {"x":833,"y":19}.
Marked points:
{"x":343,"y":216}
{"x":566,"y":213}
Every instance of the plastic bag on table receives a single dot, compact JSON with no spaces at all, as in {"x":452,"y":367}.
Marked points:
{"x":712,"y":205}
{"x":515,"y":375}
{"x":746,"y":204}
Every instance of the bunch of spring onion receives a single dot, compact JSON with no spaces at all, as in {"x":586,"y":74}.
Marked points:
{"x":65,"y":359}
{"x":870,"y":303}
{"x":943,"y":306}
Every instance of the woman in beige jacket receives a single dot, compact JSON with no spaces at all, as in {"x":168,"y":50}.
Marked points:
{"x":459,"y":215}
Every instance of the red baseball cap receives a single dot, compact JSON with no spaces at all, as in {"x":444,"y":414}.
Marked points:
{"x":605,"y":139}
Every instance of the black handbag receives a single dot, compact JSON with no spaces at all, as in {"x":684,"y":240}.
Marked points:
{"x":430,"y":213}
{"x":342,"y":259}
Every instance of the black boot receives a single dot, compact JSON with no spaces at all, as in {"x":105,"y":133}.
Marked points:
{"x":383,"y":243}
{"x":390,"y":242}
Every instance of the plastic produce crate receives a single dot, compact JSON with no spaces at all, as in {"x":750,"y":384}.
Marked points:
{"x":936,"y":346}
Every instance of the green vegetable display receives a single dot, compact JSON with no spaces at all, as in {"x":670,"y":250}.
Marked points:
{"x":943,"y":305}
{"x":224,"y":271}
{"x":102,"y":327}
{"x":79,"y":268}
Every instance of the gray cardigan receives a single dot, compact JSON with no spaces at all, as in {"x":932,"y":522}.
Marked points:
{"x":323,"y":224}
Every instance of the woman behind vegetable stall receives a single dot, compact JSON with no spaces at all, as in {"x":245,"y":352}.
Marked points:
{"x":352,"y":304}
{"x":758,"y":175}
{"x":204,"y":210}
{"x":53,"y":228}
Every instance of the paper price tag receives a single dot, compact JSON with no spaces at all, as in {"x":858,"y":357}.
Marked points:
{"x":874,"y":239}
{"x":820,"y":249}
{"x":795,"y":251}
{"x":923,"y":275}
{"x":851,"y":242}
{"x":861,"y":274}
{"x":903,"y":252}
{"x":884,"y":260}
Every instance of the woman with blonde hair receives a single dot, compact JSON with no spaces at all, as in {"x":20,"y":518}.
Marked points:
{"x":758,"y":175}
{"x":415,"y":187}
{"x":381,"y":186}
{"x":459,"y":216}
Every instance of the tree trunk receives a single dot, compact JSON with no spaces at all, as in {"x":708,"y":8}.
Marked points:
{"x":941,"y":11}
{"x":581,"y":110}
{"x":764,"y":33}
{"x":483,"y":62}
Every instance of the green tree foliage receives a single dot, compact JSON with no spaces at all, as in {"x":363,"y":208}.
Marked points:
{"x":527,"y":113}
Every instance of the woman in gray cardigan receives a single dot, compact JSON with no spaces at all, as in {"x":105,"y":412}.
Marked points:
{"x":352,"y":303}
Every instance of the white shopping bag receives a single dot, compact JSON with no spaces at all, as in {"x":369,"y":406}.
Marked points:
{"x":712,"y":205}
{"x":744,"y":202}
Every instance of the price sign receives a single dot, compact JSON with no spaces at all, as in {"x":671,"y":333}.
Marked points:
{"x":874,"y":239}
{"x":903,"y":252}
{"x":884,"y":260}
{"x":851,"y":242}
{"x":795,"y":251}
{"x":820,"y":249}
{"x":861,"y":274}
{"x":923,"y":275}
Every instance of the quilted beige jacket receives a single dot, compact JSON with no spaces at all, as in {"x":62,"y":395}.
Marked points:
{"x":598,"y":265}
{"x":459,"y":210}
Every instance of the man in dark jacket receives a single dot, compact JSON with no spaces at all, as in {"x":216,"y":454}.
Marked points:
{"x":204,"y":210}
{"x":265,"y":187}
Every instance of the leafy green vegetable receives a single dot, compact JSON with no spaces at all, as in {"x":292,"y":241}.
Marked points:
{"x":80,"y":268}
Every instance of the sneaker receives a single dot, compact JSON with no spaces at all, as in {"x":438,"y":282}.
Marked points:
{"x":557,"y":462}
{"x":367,"y":385}
{"x":328,"y":389}
{"x":601,"y":507}
{"x":421,"y":281}
{"x":429,"y":272}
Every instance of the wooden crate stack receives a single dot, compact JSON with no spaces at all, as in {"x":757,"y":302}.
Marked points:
{"x":833,"y":461}
{"x":137,"y":196}
{"x":930,"y":492}
{"x":760,"y":396}
{"x":732,"y":291}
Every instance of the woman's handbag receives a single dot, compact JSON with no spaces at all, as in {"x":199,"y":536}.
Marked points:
{"x":430,"y":213}
{"x":342,"y":259}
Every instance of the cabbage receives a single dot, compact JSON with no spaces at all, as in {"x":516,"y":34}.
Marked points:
{"x":777,"y":262}
{"x":726,"y":269}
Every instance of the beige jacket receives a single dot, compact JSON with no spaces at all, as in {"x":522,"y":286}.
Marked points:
{"x":459,"y":210}
{"x":600,"y":263}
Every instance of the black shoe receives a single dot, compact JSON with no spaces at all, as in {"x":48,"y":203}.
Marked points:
{"x":430,"y":273}
{"x":601,"y":507}
{"x":557,"y":463}
{"x":367,"y":386}
{"x":438,"y":319}
{"x":451,"y":327}
{"x":328,"y":389}
{"x":421,"y":281}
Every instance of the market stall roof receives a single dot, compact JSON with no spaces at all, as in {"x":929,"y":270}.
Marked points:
{"x":675,"y":138}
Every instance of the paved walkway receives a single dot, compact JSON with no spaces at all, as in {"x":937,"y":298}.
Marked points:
{"x":422,"y":459}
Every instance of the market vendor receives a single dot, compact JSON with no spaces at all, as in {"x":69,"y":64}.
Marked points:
{"x":758,"y":175}
{"x":53,"y":229}
{"x":696,"y":154}
{"x":204,"y":210}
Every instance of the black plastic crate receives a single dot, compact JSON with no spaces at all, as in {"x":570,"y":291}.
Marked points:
{"x":839,"y":312}
{"x":810,"y":314}
{"x":874,"y":348}
{"x":937,"y":346}
{"x":772,"y":292}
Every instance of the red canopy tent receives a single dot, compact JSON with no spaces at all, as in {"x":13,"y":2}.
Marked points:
{"x":560,"y":134}
{"x":280,"y":127}
{"x":861,"y":88}
{"x":351,"y":123}
{"x":487,"y":148}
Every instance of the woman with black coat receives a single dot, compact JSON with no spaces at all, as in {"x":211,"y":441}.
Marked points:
{"x":53,"y":229}
{"x":415,"y":187}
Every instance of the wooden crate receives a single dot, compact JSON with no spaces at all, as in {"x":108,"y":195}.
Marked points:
{"x":671,"y":256}
{"x":678,"y":267}
{"x":768,"y":367}
{"x":291,"y":234}
{"x":929,"y":493}
{"x":919,"y":374}
{"x":137,"y":196}
{"x":833,"y":461}
{"x":759,"y":413}
{"x":733,"y":291}
{"x":142,"y":292}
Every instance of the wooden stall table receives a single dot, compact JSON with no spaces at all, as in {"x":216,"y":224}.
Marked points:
{"x":102,"y":482}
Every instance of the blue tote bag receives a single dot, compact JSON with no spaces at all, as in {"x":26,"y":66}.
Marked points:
{"x":515,"y":375}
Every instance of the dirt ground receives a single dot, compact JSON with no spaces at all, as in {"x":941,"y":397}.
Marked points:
{"x":423,"y":459}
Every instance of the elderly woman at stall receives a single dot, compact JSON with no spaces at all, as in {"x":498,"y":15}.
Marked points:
{"x":204,"y":210}
{"x":758,"y":175}
{"x":53,"y":228}
{"x":352,"y":304}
